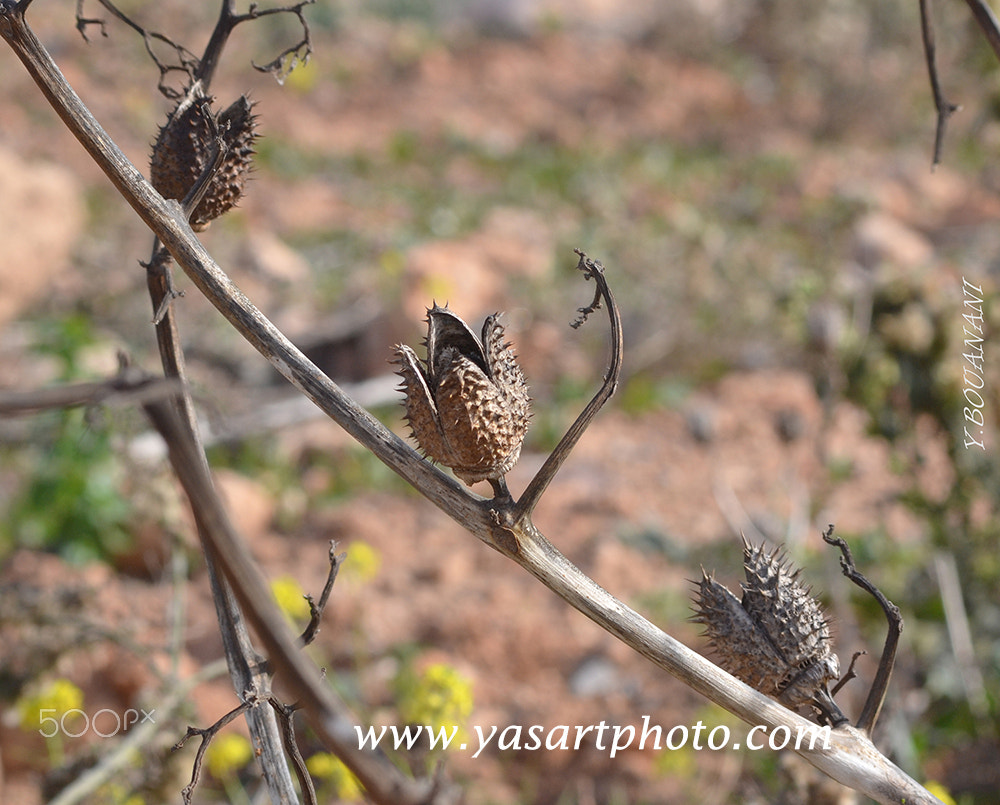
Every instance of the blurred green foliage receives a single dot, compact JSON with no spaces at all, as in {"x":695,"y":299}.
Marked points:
{"x":72,"y":501}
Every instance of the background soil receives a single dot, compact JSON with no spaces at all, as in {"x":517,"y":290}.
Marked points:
{"x":757,"y":181}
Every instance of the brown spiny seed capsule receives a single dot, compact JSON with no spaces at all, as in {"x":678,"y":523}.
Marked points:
{"x":185,"y":146}
{"x":467,"y":404}
{"x":776,"y":639}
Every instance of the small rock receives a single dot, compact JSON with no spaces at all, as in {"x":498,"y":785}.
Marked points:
{"x":881,"y":238}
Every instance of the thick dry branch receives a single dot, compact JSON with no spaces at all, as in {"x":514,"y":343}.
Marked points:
{"x":850,"y":757}
{"x":327,"y":714}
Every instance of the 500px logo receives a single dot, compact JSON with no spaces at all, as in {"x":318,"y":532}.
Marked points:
{"x":111,"y":723}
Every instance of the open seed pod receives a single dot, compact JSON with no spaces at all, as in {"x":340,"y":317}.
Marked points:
{"x":468,"y":403}
{"x":184,"y":147}
{"x":776,"y":639}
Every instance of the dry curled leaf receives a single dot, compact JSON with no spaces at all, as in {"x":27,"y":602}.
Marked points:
{"x":468,"y":403}
{"x":776,"y":638}
{"x":184,"y":148}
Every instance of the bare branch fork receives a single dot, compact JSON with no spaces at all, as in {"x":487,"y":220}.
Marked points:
{"x":848,"y":756}
{"x":987,"y":22}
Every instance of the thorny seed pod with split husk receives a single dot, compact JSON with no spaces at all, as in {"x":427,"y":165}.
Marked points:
{"x":184,"y":148}
{"x":467,"y":404}
{"x":776,"y":639}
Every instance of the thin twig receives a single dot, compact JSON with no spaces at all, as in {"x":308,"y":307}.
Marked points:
{"x":206,"y":735}
{"x":944,"y":108}
{"x":592,"y":269}
{"x":849,"y":674}
{"x":987,"y":22}
{"x":316,"y":610}
{"x":204,"y":69}
{"x":876,"y":696}
{"x":285,"y":715}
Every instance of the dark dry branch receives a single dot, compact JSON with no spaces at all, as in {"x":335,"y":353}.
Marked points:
{"x":292,"y":56}
{"x":327,"y":714}
{"x":592,"y":269}
{"x":206,"y":736}
{"x":316,"y":610}
{"x":203,"y":69}
{"x":849,"y":757}
{"x":987,"y":22}
{"x":876,"y":696}
{"x":849,"y":674}
{"x":944,"y":109}
{"x":285,"y":713}
{"x":186,"y":62}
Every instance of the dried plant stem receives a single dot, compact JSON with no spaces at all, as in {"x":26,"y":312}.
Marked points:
{"x":592,"y":269}
{"x":316,"y":609}
{"x":850,"y":757}
{"x":327,"y":714}
{"x":876,"y":696}
{"x":944,"y":108}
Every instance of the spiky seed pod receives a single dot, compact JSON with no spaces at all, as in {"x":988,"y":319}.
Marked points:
{"x":184,"y":147}
{"x":776,"y":639}
{"x":468,"y":403}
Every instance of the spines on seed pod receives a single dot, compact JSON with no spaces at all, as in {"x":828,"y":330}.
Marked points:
{"x":467,"y":404}
{"x":776,"y":638}
{"x":184,"y":148}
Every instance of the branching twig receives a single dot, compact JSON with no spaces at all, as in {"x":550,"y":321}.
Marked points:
{"x":206,"y":736}
{"x":876,"y":696}
{"x":316,"y":610}
{"x":944,"y":109}
{"x":849,"y":674}
{"x":187,"y":62}
{"x":203,"y":69}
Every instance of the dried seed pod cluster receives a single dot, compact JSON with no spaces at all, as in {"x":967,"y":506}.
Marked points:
{"x":776,"y":639}
{"x":468,"y":403}
{"x":184,"y":147}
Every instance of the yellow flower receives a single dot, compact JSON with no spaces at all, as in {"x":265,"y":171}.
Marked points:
{"x":940,"y":792}
{"x":440,"y":697}
{"x":227,"y":754}
{"x":51,"y":703}
{"x":331,"y":768}
{"x":363,"y":561}
{"x":290,"y":597}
